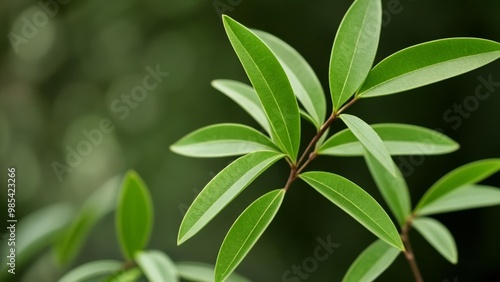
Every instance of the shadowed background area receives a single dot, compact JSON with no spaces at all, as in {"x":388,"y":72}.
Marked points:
{"x":69,"y":122}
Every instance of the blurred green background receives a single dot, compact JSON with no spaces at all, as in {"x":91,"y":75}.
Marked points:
{"x":67,"y":72}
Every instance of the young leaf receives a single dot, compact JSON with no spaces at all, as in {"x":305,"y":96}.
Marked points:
{"x":245,"y":232}
{"x":354,"y":49}
{"x":157,"y":266}
{"x":99,"y":204}
{"x":370,"y":141}
{"x":393,"y":188}
{"x":466,"y":197}
{"x":222,"y":189}
{"x":271,"y":84}
{"x":438,"y":236}
{"x":468,"y":174}
{"x":303,"y":80}
{"x":427,"y":63}
{"x":134,"y":215}
{"x":245,"y":96}
{"x":91,"y":270}
{"x":372,"y":262}
{"x":201,"y":272}
{"x":400,"y":139}
{"x":356,"y":202}
{"x":222,"y":140}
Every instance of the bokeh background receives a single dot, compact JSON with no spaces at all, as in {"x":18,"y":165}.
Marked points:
{"x":68,"y":73}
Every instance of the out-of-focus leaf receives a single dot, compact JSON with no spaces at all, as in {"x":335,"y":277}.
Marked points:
{"x":372,"y":262}
{"x":356,"y":202}
{"x":91,"y":270}
{"x":399,"y":139}
{"x":438,"y":236}
{"x":222,"y":189}
{"x":202,"y":272}
{"x":134,"y":215}
{"x":354,"y":49}
{"x":157,"y":266}
{"x":245,"y":232}
{"x":222,"y":140}
{"x":271,"y":84}
{"x":427,"y":63}
{"x":128,"y":275}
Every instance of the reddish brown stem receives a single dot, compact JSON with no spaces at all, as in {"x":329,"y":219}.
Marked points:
{"x":410,"y":257}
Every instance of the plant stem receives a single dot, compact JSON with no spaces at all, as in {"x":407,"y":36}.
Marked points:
{"x":409,"y":251}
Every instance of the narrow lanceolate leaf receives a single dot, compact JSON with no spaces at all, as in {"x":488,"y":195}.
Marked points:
{"x":370,"y":141}
{"x":372,"y":262}
{"x":466,"y":197}
{"x":354,"y":49}
{"x":222,"y":140}
{"x":427,"y":63}
{"x":134,"y":215}
{"x":392,"y":187}
{"x":222,"y":189}
{"x":468,"y":174}
{"x":157,"y":266}
{"x":91,"y":270}
{"x":99,"y":204}
{"x":357,"y":203}
{"x":438,"y":236}
{"x":304,"y":81}
{"x":271,"y":84}
{"x":201,"y":272}
{"x":245,"y":96}
{"x":399,"y":139}
{"x":245,"y":232}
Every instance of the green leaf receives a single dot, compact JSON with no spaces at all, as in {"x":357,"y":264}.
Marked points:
{"x":370,"y":141}
{"x":468,"y":174}
{"x":36,"y":232}
{"x":134,"y":215}
{"x":201,"y":272}
{"x":99,"y":204}
{"x":91,"y":270}
{"x":427,"y":63}
{"x":128,"y":275}
{"x":271,"y":84}
{"x":245,"y":232}
{"x":372,"y":262}
{"x":354,"y":49}
{"x":222,"y":189}
{"x":356,"y":202}
{"x":438,"y":236}
{"x":400,"y":139}
{"x":222,"y":140}
{"x":466,"y":197}
{"x":304,"y":82}
{"x":245,"y":96}
{"x":393,"y":188}
{"x":157,"y":266}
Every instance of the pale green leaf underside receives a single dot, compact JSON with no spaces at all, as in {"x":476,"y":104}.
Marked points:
{"x":370,"y":141}
{"x":134,"y":215}
{"x":245,"y":232}
{"x":438,"y":236}
{"x":90,"y":270}
{"x":201,"y":272}
{"x":303,"y":80}
{"x":399,"y":139}
{"x":357,"y":203}
{"x":157,"y":266}
{"x":222,"y":189}
{"x":427,"y":63}
{"x":372,"y":262}
{"x":222,"y":140}
{"x":354,"y":49}
{"x":245,"y":96}
{"x":467,"y":197}
{"x":392,"y":187}
{"x":467,"y":174}
{"x":271,"y":84}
